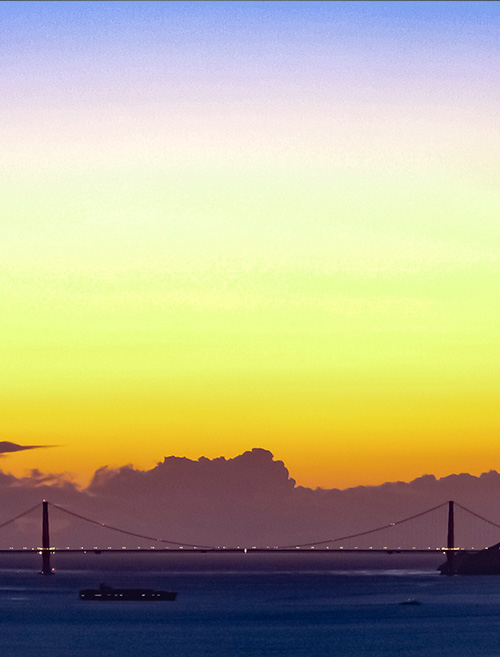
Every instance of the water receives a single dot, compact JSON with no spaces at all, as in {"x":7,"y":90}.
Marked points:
{"x":284,"y":608}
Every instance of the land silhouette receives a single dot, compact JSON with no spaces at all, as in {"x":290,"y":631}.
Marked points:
{"x":249,"y":500}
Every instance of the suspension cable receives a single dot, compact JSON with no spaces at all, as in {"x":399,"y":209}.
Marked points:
{"x":211,"y":547}
{"x":473,"y":513}
{"x":24,"y":513}
{"x":282,"y":547}
{"x":369,"y":531}
{"x":128,"y":533}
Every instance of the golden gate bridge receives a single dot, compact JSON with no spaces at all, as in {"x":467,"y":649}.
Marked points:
{"x":325,"y":545}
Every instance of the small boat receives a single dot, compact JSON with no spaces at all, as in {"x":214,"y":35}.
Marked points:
{"x":411,"y":602}
{"x":109,"y":593}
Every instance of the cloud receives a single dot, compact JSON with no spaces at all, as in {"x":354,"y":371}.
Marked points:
{"x":7,"y":447}
{"x":246,"y":500}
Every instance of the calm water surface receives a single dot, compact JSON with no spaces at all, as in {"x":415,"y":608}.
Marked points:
{"x":289,"y":609}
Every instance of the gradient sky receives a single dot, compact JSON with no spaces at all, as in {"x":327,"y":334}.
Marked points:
{"x":237,"y":224}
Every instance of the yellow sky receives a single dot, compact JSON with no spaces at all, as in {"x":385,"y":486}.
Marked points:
{"x":202,"y":254}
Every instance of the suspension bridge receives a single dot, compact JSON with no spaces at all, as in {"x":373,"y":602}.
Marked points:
{"x":339,"y":544}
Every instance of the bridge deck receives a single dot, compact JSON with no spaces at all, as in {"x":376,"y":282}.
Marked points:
{"x":95,"y":550}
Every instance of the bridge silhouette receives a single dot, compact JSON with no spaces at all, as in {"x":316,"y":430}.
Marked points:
{"x":337,"y":544}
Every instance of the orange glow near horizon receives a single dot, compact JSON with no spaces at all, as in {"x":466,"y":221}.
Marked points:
{"x":356,"y":438}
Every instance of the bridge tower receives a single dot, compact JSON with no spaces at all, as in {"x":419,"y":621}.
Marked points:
{"x":46,"y":569}
{"x":450,"y":554}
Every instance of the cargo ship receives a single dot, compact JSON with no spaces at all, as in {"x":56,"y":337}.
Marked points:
{"x":108,"y":593}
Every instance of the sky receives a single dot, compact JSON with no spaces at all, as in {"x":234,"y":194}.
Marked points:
{"x":229,"y":225}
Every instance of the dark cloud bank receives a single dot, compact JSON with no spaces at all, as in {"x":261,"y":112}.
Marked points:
{"x":7,"y":447}
{"x":244,"y":501}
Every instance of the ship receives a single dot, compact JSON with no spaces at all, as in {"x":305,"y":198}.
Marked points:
{"x":108,"y":593}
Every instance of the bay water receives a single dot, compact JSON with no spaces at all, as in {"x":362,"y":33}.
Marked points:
{"x":248,"y":607}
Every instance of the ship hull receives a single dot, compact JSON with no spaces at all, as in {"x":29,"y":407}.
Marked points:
{"x":108,"y":594}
